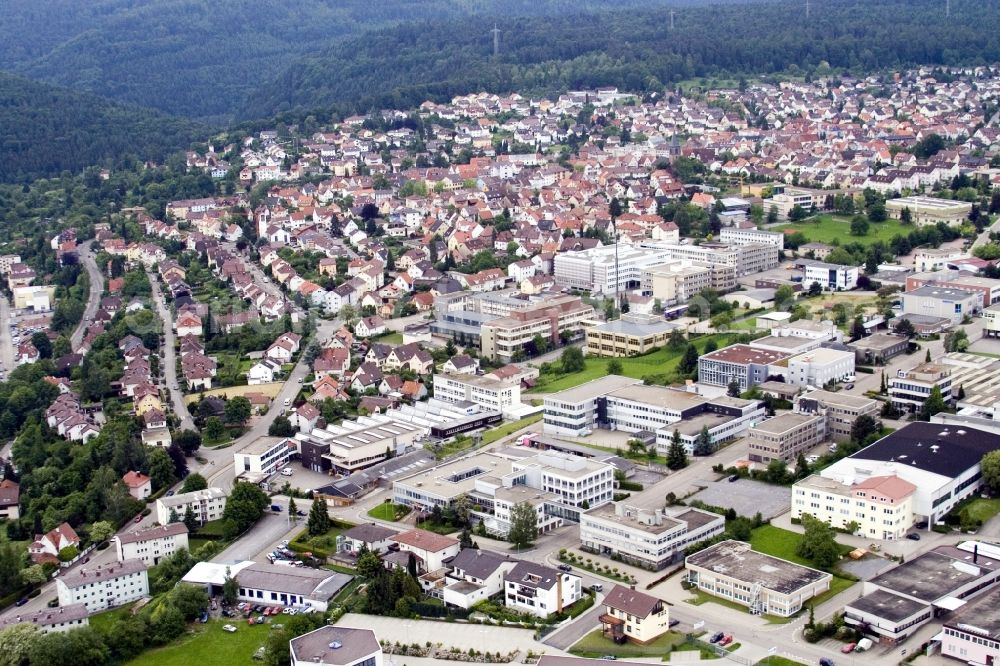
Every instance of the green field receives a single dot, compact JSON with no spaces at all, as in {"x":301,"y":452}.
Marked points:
{"x":782,"y":543}
{"x":827,"y":228}
{"x":107,"y":618}
{"x":594,"y":645}
{"x":209,"y":645}
{"x":390,"y":339}
{"x":981,"y":509}
{"x":502,"y":431}
{"x":660,"y":362}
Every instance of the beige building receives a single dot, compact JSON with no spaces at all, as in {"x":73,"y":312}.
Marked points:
{"x":151,"y":545}
{"x":631,"y":335}
{"x":930,"y":210}
{"x":764,"y":584}
{"x":634,"y":616}
{"x":207,"y":505}
{"x":677,"y":282}
{"x":880,"y":507}
{"x":502,"y":339}
{"x":841,"y":410}
{"x":38,"y":298}
{"x":785,"y":436}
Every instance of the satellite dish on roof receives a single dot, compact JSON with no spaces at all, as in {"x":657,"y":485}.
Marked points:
{"x":335,"y":645}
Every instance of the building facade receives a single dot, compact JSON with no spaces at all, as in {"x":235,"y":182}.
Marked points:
{"x":151,"y":545}
{"x":785,"y":436}
{"x":103,"y":587}
{"x":207,"y":505}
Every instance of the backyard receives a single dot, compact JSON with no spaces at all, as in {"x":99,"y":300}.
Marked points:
{"x":594,"y":645}
{"x":322,"y":544}
{"x":661,"y":362}
{"x":208,"y":645}
{"x":827,"y":228}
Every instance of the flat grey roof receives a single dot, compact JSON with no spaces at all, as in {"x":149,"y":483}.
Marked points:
{"x":318,"y":584}
{"x":785,"y":422}
{"x":887,"y":605}
{"x":593,"y":389}
{"x":933,"y":575}
{"x":659,"y":396}
{"x":942,"y":293}
{"x":317,"y":646}
{"x":878,"y":341}
{"x":982,"y":614}
{"x":633,"y":328}
{"x":735,"y":559}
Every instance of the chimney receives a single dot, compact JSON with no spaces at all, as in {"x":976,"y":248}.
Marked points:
{"x":975,"y":554}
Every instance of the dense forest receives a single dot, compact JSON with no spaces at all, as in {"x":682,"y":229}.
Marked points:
{"x":636,"y":50}
{"x":201,"y":59}
{"x":45,"y":130}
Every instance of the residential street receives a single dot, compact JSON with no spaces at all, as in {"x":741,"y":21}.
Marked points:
{"x":7,"y":353}
{"x":169,"y":356}
{"x":93,"y":298}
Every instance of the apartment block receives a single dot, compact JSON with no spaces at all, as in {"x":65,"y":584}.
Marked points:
{"x":879,"y":507}
{"x":151,"y":545}
{"x":103,"y":587}
{"x":504,"y":338}
{"x":489,"y":393}
{"x":840,"y":409}
{"x":207,"y":505}
{"x":677,"y":281}
{"x":605,"y":269}
{"x":784,"y":436}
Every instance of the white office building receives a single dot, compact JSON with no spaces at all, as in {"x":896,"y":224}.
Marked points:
{"x":830,"y":276}
{"x":934,"y":301}
{"x":103,"y":587}
{"x":604,"y":269}
{"x":266,"y":456}
{"x":736,"y":236}
{"x":499,"y":396}
{"x":819,"y":366}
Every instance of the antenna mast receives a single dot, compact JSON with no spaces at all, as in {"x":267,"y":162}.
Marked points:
{"x":807,"y":8}
{"x":671,"y":19}
{"x":496,"y":40}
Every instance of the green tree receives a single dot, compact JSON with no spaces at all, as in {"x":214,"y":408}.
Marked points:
{"x":858,"y":328}
{"x":859,"y":225}
{"x":190,"y":520}
{"x":230,"y":589}
{"x":571,"y":360}
{"x":990,"y":466}
{"x":101,"y":531}
{"x":319,"y":518}
{"x":17,"y":644}
{"x":614,"y":367}
{"x":934,"y":404}
{"x":777,"y":471}
{"x":733,"y":390}
{"x":281,"y":427}
{"x":689,"y":362}
{"x":703,"y":445}
{"x":237,"y":410}
{"x":818,"y":543}
{"x":676,"y":340}
{"x":42,"y":343}
{"x":369,"y":565}
{"x":190,"y":600}
{"x":864,"y":427}
{"x":161,"y":469}
{"x":293,"y":510}
{"x":815,"y":289}
{"x":905,"y":328}
{"x":676,"y":453}
{"x":784,"y":294}
{"x":801,"y":466}
{"x":244,"y":507}
{"x":523,"y":525}
{"x":194,"y":481}
{"x":214,"y":429}
{"x":188,"y":440}
{"x":34,"y":575}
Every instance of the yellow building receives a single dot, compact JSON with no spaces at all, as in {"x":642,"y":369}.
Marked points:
{"x":880,"y":507}
{"x":631,"y":335}
{"x":146,"y":403}
{"x":633,"y":615}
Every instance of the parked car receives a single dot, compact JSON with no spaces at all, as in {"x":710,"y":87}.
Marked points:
{"x":138,"y":519}
{"x":170,"y":493}
{"x":21,"y":601}
{"x":847,"y":649}
{"x":849,"y":386}
{"x":734,"y":477}
{"x":726,"y":640}
{"x":276,"y":508}
{"x":826,"y":662}
{"x":228,"y":627}
{"x":565,"y":567}
{"x":716,"y":637}
{"x":597,"y":587}
{"x":913,"y":536}
{"x":609,"y":657}
{"x":287,"y":471}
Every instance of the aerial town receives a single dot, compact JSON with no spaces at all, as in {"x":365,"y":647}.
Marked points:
{"x":707,"y":375}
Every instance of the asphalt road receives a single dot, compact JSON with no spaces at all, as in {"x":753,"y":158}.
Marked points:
{"x":6,"y":342}
{"x":170,"y":355}
{"x":93,"y":298}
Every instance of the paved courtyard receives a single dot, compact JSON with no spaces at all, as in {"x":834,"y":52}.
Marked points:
{"x":485,"y":638}
{"x":747,"y":497}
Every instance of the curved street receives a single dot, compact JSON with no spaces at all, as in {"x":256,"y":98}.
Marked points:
{"x":93,"y":298}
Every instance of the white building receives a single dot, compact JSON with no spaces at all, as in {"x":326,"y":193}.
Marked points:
{"x":830,"y":276}
{"x":64,"y":618}
{"x":646,"y":536}
{"x":934,"y":301}
{"x":207,"y":504}
{"x":432,"y":549}
{"x":973,"y":635}
{"x":151,"y":545}
{"x":879,"y":507}
{"x":336,"y":646}
{"x":737,"y":236}
{"x":500,"y":396}
{"x":266,"y":456}
{"x":475,"y":575}
{"x":929,"y":210}
{"x":540,"y":590}
{"x":598,"y":270}
{"x":103,"y":587}
{"x":819,"y":366}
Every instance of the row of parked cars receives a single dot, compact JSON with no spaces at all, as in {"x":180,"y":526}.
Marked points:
{"x":721,"y":638}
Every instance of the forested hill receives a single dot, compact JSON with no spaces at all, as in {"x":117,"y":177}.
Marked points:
{"x":45,"y":130}
{"x":201,"y":58}
{"x":405,"y":65}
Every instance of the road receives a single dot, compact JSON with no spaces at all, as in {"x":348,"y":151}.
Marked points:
{"x":984,"y":237}
{"x":6,"y":342}
{"x":169,"y":355}
{"x":93,"y":298}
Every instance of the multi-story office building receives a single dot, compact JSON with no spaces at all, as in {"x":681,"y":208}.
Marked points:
{"x":763,"y":583}
{"x":504,"y":338}
{"x":784,"y":202}
{"x":631,"y":335}
{"x":785,"y":436}
{"x":489,"y":393}
{"x":830,"y":276}
{"x":819,"y":366}
{"x":840,"y":409}
{"x":991,"y":321}
{"x":153,"y":544}
{"x":649,"y":537}
{"x":677,"y":281}
{"x":929,"y":210}
{"x":987,"y":288}
{"x":574,"y":411}
{"x":879,"y":507}
{"x":973,"y":635}
{"x":747,"y":365}
{"x":605,"y":269}
{"x":747,"y":259}
{"x":264,"y":457}
{"x":909,"y":389}
{"x":103,"y":587}
{"x":207,"y":505}
{"x":735,"y":236}
{"x":353,"y":445}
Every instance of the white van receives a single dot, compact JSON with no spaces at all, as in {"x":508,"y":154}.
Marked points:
{"x":288,"y":401}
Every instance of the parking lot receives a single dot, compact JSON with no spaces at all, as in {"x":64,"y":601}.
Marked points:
{"x":770,"y":500}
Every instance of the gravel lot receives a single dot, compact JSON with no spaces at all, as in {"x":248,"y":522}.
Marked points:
{"x":747,"y":497}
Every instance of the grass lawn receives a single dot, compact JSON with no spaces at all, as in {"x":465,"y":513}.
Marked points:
{"x":826,"y":228}
{"x":107,"y":618}
{"x":982,"y":509}
{"x":439,"y":528}
{"x":661,"y":362}
{"x":323,"y":542}
{"x":389,"y":511}
{"x":782,"y":543}
{"x":775,"y":660}
{"x":391,"y":339}
{"x":208,"y":645}
{"x":457,"y":445}
{"x":499,"y":432}
{"x":594,"y":645}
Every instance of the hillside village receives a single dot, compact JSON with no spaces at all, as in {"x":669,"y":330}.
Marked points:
{"x":577,"y":365}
